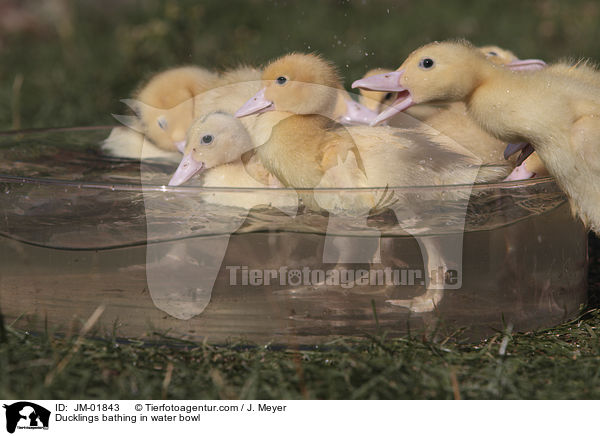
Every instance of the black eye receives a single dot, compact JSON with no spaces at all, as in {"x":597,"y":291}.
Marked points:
{"x":426,"y":63}
{"x":388,"y":96}
{"x":281,"y":80}
{"x":492,"y":53}
{"x":207,"y":139}
{"x":162,"y":123}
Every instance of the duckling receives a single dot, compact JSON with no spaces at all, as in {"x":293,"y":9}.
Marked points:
{"x":451,"y":118}
{"x":165,"y":104}
{"x":220,"y":148}
{"x":297,"y":104}
{"x":377,"y":100}
{"x":498,"y":55}
{"x":532,"y":166}
{"x":164,"y":110}
{"x":557,"y":113}
{"x":164,"y":126}
{"x":304,"y":148}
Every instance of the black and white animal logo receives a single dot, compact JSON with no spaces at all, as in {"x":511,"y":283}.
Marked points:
{"x":26,"y":415}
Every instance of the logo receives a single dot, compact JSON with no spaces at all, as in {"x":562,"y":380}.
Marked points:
{"x":26,"y":415}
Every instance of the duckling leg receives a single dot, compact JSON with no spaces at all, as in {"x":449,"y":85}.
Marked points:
{"x":436,"y":269}
{"x":340,"y":249}
{"x":520,"y":173}
{"x":363,"y":248}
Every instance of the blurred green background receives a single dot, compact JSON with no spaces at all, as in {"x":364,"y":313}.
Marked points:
{"x":68,"y":62}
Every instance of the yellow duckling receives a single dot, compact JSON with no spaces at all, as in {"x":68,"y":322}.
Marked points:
{"x":377,"y":100}
{"x":169,"y":103}
{"x":451,"y":118}
{"x":557,"y":113}
{"x":165,"y":104}
{"x":304,"y":148}
{"x":220,"y":149}
{"x":533,"y":165}
{"x":300,"y":142}
{"x":165,"y":110}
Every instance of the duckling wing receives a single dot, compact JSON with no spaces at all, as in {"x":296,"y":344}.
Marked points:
{"x":346,"y":173}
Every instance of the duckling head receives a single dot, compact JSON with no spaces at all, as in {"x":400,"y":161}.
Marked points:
{"x":507,"y":58}
{"x":380,"y":88}
{"x":216,"y":139}
{"x":296,"y":83}
{"x":498,"y":55}
{"x":437,"y":72}
{"x":166,"y":128}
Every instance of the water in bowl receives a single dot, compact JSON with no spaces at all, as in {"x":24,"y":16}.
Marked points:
{"x":81,"y":230}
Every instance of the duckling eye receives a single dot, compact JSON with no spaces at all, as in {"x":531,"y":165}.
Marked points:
{"x":281,"y":80}
{"x":388,"y":96}
{"x":207,"y":139}
{"x":492,"y":53}
{"x":426,"y":63}
{"x":162,"y":123}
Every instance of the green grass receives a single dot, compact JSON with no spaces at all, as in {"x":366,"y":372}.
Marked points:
{"x":558,"y":363}
{"x":95,"y":53}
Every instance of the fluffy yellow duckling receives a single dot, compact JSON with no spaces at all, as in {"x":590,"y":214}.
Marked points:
{"x":301,"y":142}
{"x":451,"y":118}
{"x":377,"y":100}
{"x":556,"y":112}
{"x":165,"y":104}
{"x":304,"y":148}
{"x":170,"y":102}
{"x":220,"y":149}
{"x":165,"y":110}
{"x":532,"y":166}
